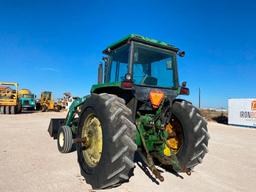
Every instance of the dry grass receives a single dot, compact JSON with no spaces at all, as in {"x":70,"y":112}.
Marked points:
{"x":213,"y":115}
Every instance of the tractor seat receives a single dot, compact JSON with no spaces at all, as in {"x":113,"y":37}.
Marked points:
{"x":149,"y":80}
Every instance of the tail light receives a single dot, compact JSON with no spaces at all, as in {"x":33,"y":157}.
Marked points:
{"x":156,"y":97}
{"x":184,"y":91}
{"x":127,"y":84}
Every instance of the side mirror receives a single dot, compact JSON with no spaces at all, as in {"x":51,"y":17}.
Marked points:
{"x":181,"y":53}
{"x":100,"y":73}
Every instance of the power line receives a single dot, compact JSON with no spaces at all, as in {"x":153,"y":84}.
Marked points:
{"x":199,"y":98}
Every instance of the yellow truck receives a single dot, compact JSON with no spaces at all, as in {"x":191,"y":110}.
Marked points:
{"x":9,"y":100}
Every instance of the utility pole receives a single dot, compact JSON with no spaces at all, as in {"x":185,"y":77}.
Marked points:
{"x":199,"y":97}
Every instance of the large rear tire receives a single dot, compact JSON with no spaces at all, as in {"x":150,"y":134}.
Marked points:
{"x":113,"y":163}
{"x":195,"y":134}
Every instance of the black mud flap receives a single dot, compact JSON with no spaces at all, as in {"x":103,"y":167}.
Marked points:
{"x":54,"y":126}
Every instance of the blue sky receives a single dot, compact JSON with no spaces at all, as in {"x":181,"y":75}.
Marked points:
{"x":57,"y":45}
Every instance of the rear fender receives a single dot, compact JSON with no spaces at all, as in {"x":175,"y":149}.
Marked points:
{"x":180,"y":100}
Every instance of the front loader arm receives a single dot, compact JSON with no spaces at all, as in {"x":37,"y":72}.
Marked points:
{"x":56,"y":123}
{"x":73,"y":110}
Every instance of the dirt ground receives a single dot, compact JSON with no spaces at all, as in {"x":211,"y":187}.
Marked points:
{"x":30,"y":161}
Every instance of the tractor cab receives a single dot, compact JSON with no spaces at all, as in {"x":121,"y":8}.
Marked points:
{"x":142,"y":63}
{"x":137,"y":62}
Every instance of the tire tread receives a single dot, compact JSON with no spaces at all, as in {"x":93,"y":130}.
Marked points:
{"x":120,"y":163}
{"x":200,"y":134}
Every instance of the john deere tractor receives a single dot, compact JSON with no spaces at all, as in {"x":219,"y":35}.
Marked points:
{"x":133,"y":109}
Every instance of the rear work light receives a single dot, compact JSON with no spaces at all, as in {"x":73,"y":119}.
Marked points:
{"x":156,"y":98}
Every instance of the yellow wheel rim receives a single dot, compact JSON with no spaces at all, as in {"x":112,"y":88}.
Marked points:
{"x":92,"y":131}
{"x":175,"y":135}
{"x":61,"y":139}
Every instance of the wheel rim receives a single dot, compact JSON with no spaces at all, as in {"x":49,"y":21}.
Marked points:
{"x":175,"y":135}
{"x":61,"y":139}
{"x":92,"y":131}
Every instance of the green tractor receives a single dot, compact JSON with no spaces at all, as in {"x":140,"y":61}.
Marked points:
{"x":133,"y":111}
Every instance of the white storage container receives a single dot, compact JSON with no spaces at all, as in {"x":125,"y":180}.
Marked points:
{"x":242,"y":112}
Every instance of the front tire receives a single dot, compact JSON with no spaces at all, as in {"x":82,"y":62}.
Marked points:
{"x":44,"y":108}
{"x":114,"y":160}
{"x":57,"y":108}
{"x":195,"y":134}
{"x":65,"y":140}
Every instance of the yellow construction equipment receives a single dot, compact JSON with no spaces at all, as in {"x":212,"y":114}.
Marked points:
{"x":9,"y":101}
{"x":24,"y":92}
{"x":47,"y":103}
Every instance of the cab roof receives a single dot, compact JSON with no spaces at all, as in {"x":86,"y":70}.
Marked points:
{"x":141,"y":39}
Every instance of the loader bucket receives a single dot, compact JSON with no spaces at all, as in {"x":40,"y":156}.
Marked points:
{"x":54,"y":126}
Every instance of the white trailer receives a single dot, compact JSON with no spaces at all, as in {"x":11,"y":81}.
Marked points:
{"x":242,"y":112}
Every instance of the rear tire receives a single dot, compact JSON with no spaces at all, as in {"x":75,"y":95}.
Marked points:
{"x":116,"y":161}
{"x":195,"y":133}
{"x":65,"y":140}
{"x":7,"y":109}
{"x":2,"y":110}
{"x":13,"y":110}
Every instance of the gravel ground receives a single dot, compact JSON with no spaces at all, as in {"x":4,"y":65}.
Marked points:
{"x":30,"y":161}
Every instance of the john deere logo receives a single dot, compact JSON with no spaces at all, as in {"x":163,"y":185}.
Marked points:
{"x":254,"y":105}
